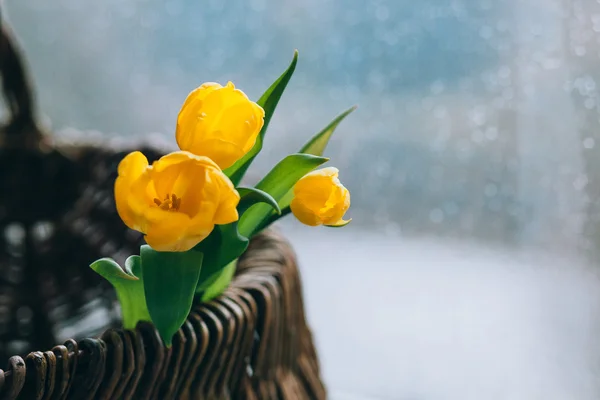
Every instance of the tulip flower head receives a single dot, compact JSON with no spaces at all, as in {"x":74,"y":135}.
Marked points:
{"x":219,"y":122}
{"x":320,"y":199}
{"x":176,"y":201}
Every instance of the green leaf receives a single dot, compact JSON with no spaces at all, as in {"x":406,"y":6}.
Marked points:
{"x":274,"y":217}
{"x":128,"y":284}
{"x":268,"y":101}
{"x":340,"y":225}
{"x":111,"y":271}
{"x":277,"y":183}
{"x":317,"y":144}
{"x":170,"y":280}
{"x":225,"y":244}
{"x":218,"y":282}
{"x":221,"y":247}
{"x":250,"y":196}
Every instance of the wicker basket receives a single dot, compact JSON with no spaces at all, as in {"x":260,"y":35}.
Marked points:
{"x":57,"y":214}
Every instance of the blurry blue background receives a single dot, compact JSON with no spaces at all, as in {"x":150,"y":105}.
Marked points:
{"x":469,"y":270}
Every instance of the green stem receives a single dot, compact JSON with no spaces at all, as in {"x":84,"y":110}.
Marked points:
{"x":217,"y":283}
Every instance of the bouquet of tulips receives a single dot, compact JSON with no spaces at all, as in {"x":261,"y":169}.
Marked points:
{"x":195,"y":217}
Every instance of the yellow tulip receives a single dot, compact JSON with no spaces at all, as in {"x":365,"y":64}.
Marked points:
{"x":219,"y":122}
{"x":320,"y":198}
{"x":176,"y":201}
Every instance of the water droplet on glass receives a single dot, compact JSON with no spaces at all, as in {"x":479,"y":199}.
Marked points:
{"x":491,"y":133}
{"x":590,"y":103}
{"x":436,"y":216}
{"x":382,"y":13}
{"x":580,"y":182}
{"x":437,"y":87}
{"x":486,"y":32}
{"x":504,"y":71}
{"x":491,"y":190}
{"x":257,"y":5}
{"x":173,"y":7}
{"x":477,"y":136}
{"x":440,"y":112}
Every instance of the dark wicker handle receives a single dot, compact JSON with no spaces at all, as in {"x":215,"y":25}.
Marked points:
{"x":21,"y":129}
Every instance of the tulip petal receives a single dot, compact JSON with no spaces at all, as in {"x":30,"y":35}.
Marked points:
{"x":133,"y":165}
{"x":337,"y":204}
{"x":221,"y":151}
{"x":229,"y":199}
{"x":139,"y":198}
{"x":121,"y":201}
{"x":240,"y":123}
{"x":179,"y":157}
{"x":169,"y":233}
{"x":130,"y":169}
{"x":326,"y":172}
{"x":304,"y":214}
{"x":176,"y":172}
{"x":227,"y":211}
{"x":190,"y":113}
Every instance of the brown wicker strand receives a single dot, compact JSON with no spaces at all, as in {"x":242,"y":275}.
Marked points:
{"x":243,"y":358}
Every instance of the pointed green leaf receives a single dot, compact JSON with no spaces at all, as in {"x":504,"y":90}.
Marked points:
{"x":317,"y":144}
{"x":221,"y":247}
{"x":170,"y":280}
{"x":250,"y":196}
{"x":128,"y":284}
{"x":277,"y":183}
{"x":268,"y":101}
